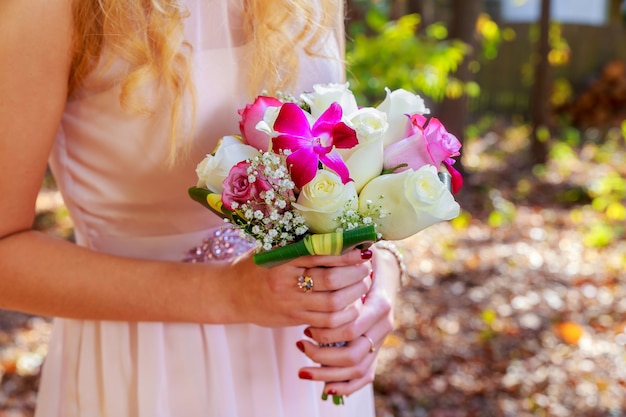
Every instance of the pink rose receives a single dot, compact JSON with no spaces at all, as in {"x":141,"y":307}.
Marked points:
{"x":251,"y":115}
{"x":426,"y":143}
{"x":242,"y":188}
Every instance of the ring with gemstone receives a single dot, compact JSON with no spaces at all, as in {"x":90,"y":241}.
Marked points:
{"x":305,"y":283}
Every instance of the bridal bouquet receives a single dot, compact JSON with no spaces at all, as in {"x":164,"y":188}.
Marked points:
{"x":319,"y":174}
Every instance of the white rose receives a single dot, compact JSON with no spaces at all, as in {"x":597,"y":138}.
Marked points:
{"x":365,"y":161}
{"x":324,"y":95}
{"x":397,"y":105}
{"x":323,"y":200}
{"x":411,"y":201}
{"x":370,"y":124}
{"x":213,"y":169}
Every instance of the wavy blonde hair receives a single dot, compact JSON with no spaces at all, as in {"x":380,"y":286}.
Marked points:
{"x":148,"y":35}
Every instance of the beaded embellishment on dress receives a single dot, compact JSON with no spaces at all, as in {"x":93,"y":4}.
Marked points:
{"x":222,"y":244}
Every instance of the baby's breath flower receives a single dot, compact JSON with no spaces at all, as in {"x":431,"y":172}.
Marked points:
{"x":275,"y":224}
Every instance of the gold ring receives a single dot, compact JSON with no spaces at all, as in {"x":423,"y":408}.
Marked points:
{"x":305,"y":283}
{"x":369,"y":339}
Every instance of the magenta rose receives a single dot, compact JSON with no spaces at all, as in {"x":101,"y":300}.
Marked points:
{"x":242,"y":188}
{"x":251,"y":115}
{"x":426,"y":143}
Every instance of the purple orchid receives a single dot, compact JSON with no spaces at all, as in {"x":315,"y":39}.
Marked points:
{"x":311,"y":145}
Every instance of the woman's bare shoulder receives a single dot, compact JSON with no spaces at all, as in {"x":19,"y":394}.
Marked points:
{"x":38,"y":26}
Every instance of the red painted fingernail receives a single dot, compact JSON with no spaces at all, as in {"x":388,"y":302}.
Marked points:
{"x":366,"y":254}
{"x":300,"y":346}
{"x":305,"y":375}
{"x":307,"y":333}
{"x":331,"y":392}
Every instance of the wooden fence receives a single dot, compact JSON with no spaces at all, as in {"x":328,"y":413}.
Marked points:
{"x":506,"y":81}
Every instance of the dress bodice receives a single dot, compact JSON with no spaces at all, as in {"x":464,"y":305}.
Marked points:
{"x":110,"y":165}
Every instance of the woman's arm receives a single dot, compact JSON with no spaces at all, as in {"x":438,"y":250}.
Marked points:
{"x":49,"y":276}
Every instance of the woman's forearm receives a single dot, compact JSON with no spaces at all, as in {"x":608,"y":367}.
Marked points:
{"x":44,"y":275}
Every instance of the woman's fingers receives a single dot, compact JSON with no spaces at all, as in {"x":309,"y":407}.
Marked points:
{"x":345,"y":369}
{"x":331,"y":278}
{"x":343,"y":375}
{"x":337,"y":318}
{"x":351,"y":386}
{"x":375,"y":312}
{"x":351,"y":354}
{"x":330,"y":301}
{"x":351,"y":257}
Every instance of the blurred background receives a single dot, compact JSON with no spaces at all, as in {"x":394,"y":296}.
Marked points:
{"x":517,"y":307}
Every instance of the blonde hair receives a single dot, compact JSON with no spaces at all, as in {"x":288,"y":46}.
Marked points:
{"x":148,"y":35}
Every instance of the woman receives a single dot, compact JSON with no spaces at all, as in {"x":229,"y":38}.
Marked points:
{"x":124,"y":98}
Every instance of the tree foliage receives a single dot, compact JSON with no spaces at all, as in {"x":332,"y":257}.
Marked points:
{"x":397,"y":56}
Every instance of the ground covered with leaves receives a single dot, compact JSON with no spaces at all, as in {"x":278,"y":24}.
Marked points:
{"x":517,"y":308}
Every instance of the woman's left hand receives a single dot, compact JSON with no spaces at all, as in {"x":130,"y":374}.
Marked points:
{"x":348,"y":368}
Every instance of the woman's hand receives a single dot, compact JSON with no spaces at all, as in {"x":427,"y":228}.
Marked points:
{"x":349,"y":368}
{"x":272,"y":297}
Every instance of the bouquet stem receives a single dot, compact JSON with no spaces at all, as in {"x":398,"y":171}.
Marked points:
{"x":337,"y":399}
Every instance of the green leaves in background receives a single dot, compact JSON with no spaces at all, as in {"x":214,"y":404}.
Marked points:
{"x":397,"y":56}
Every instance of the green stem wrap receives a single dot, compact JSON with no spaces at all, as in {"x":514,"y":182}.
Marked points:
{"x":317,"y":244}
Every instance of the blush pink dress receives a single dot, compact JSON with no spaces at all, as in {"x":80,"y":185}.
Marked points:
{"x":123,"y":201}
